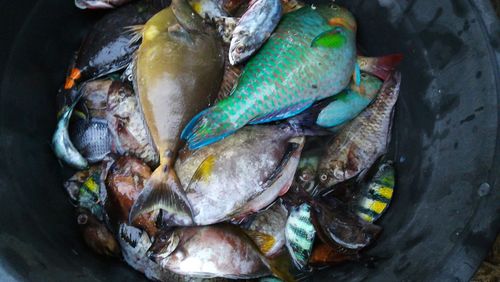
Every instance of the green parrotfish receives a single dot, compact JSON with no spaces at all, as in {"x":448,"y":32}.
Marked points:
{"x":311,"y":56}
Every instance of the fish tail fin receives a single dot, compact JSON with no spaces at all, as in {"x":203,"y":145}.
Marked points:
{"x":280,"y":268}
{"x":136,"y":31}
{"x":207,"y":127}
{"x":305,"y":124}
{"x":164,"y":191}
{"x":381,"y":67}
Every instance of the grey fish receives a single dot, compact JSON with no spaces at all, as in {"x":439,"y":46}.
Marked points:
{"x":362,"y":141}
{"x":61,"y":141}
{"x":91,"y":138}
{"x":254,"y":28}
{"x":214,"y":251}
{"x":300,"y":234}
{"x":267,"y":229}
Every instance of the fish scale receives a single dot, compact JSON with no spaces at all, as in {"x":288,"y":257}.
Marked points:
{"x":286,"y":72}
{"x":362,"y":141}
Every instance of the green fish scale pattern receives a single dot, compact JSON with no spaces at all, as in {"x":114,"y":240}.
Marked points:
{"x":287,"y":71}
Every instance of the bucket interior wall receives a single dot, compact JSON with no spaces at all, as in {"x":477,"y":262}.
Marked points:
{"x":445,"y":142}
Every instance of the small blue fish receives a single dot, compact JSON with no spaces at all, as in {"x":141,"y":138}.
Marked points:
{"x":350,"y":102}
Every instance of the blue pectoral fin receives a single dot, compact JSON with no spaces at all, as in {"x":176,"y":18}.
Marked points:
{"x":282,"y":113}
{"x":188,"y":129}
{"x":357,"y":74}
{"x":195,"y":145}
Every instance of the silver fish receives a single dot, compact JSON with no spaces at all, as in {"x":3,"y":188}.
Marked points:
{"x":92,"y":139}
{"x":214,"y":251}
{"x":254,"y":28}
{"x":362,"y":141}
{"x":61,"y":142}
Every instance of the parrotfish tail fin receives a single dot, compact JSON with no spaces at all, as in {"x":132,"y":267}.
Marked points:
{"x":280,"y":267}
{"x":381,"y":67}
{"x":136,"y":31}
{"x":207,"y":127}
{"x":61,"y":142}
{"x":356,"y":76}
{"x":305,"y":123}
{"x":164,"y":191}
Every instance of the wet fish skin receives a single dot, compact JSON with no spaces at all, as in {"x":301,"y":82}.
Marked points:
{"x":300,"y":234}
{"x":325,"y":254}
{"x":254,"y":28}
{"x":261,"y":147}
{"x":337,"y":225}
{"x":270,"y":222}
{"x":283,"y":92}
{"x":108,"y":46}
{"x":376,"y":195}
{"x":362,"y":141}
{"x":96,"y":235}
{"x":91,"y":139}
{"x":212,"y":251}
{"x":178,"y":72}
{"x":352,"y":101}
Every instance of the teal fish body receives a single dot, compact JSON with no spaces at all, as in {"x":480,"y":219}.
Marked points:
{"x":300,"y":234}
{"x":377,"y":194}
{"x":350,"y":102}
{"x":310,"y":56}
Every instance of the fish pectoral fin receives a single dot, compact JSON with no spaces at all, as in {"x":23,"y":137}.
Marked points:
{"x":264,"y":241}
{"x":329,"y":39}
{"x":163,"y":191}
{"x":136,"y":31}
{"x":202,"y":173}
{"x":283,"y":113}
{"x":356,"y":75}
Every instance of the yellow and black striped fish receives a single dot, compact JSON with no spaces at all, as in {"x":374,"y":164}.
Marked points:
{"x":377,"y":194}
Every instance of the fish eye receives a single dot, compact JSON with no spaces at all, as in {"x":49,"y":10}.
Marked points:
{"x":363,"y":75}
{"x":323,"y":177}
{"x":240,"y":49}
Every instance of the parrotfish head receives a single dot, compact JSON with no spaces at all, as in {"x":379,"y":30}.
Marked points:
{"x":338,"y":16}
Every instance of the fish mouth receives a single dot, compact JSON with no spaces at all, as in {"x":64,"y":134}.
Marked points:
{"x":342,"y":22}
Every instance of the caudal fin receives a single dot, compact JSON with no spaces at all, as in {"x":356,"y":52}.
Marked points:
{"x":381,"y":67}
{"x":207,"y":127}
{"x":164,"y":191}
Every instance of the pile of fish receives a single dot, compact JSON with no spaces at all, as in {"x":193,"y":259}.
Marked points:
{"x":227,"y":139}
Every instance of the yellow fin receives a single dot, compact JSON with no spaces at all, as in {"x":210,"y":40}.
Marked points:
{"x":91,"y":185}
{"x":280,"y":267}
{"x":136,"y":31}
{"x":264,"y":241}
{"x":204,"y":170}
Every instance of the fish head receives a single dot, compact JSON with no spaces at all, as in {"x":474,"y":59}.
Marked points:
{"x":336,"y":173}
{"x":338,"y":16}
{"x":164,"y":245}
{"x":243,"y":45}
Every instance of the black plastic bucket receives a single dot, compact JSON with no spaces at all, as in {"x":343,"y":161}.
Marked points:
{"x":446,"y":142}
